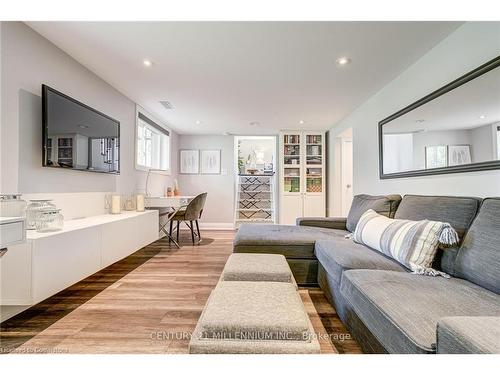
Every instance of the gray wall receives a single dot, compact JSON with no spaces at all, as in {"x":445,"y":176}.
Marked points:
{"x":219,"y":207}
{"x":27,"y":61}
{"x":468,"y":47}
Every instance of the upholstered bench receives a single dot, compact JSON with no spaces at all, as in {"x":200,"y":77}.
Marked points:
{"x":247,"y":317}
{"x":257,"y":267}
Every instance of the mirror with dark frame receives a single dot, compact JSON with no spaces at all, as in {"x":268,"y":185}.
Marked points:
{"x":454,"y":129}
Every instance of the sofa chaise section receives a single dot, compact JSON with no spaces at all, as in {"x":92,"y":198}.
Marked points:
{"x":295,"y":243}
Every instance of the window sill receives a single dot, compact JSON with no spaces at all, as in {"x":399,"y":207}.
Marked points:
{"x":166,"y":172}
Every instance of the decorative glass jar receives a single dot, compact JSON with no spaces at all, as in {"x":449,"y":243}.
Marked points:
{"x":34,"y":210}
{"x":49,"y":220}
{"x":11,"y":205}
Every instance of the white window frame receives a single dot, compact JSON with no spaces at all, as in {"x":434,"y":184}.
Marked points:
{"x":167,"y":132}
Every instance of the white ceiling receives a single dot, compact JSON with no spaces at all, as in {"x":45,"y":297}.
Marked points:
{"x":229,"y":74}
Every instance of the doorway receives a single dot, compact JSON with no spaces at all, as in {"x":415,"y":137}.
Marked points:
{"x":255,"y":184}
{"x":343,"y":184}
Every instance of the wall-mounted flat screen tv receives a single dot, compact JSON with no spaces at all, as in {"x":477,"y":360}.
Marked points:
{"x":76,"y":136}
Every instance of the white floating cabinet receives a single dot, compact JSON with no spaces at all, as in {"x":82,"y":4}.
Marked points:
{"x":47,"y":263}
{"x":302,"y":175}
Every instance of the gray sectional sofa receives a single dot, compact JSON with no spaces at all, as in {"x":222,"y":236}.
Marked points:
{"x":385,"y":306}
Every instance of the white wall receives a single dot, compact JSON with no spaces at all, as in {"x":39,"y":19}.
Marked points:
{"x":27,"y":61}
{"x":219,"y":208}
{"x":468,"y":47}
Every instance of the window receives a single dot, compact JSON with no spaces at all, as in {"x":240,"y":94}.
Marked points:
{"x":153,"y":144}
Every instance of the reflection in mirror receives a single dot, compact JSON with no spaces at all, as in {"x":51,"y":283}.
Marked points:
{"x":458,"y":128}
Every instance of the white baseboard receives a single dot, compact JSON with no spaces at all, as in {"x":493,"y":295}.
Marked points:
{"x":216,"y":226}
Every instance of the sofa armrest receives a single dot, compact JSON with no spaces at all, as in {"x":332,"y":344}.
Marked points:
{"x":323,"y":222}
{"x":468,"y":335}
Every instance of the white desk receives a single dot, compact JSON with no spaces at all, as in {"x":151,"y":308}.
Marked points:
{"x":168,"y":202}
{"x":173,"y":204}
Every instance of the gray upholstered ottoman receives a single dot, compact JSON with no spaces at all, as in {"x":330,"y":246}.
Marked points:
{"x":257,"y":267}
{"x":245,"y":317}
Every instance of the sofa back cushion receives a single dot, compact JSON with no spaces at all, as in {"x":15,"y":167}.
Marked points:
{"x":458,"y":211}
{"x":478,"y":259}
{"x":382,"y":204}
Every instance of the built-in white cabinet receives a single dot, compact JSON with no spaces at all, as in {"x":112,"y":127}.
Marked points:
{"x":50,"y":262}
{"x":302,"y":175}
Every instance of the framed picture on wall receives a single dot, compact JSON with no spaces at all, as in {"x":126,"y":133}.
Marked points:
{"x":210,"y":162}
{"x":189,"y":162}
{"x":459,"y":155}
{"x":436,"y":156}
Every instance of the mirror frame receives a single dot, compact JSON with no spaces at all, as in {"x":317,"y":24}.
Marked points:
{"x":482,"y":166}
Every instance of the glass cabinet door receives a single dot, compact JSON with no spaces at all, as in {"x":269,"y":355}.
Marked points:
{"x":292,"y":155}
{"x":314,"y":163}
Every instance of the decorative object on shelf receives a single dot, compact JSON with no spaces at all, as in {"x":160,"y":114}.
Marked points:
{"x":210,"y":162}
{"x":459,"y":155}
{"x":140,"y":202}
{"x":190,"y":162}
{"x":252,"y":170}
{"x":130,"y":203}
{"x":177,"y":192}
{"x":169,"y":192}
{"x":12,"y":205}
{"x":34,"y":210}
{"x":50,"y":220}
{"x":116,"y":204}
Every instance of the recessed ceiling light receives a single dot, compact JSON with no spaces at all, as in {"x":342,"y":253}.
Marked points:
{"x":482,"y":117}
{"x":83,"y":126}
{"x":420,"y":120}
{"x":301,"y":122}
{"x":343,"y":60}
{"x":198,"y":122}
{"x":254,"y":123}
{"x":147,"y":63}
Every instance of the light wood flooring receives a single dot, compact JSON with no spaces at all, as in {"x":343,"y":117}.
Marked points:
{"x":148,"y":302}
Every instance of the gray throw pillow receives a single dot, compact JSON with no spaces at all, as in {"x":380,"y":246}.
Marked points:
{"x":382,"y":204}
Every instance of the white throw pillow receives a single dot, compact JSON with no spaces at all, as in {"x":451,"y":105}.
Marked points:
{"x":412,"y":243}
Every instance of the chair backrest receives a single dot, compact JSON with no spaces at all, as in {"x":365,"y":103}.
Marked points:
{"x":195,"y":207}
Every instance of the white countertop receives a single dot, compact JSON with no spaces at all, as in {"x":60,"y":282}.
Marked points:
{"x":10,"y":219}
{"x":86,"y":222}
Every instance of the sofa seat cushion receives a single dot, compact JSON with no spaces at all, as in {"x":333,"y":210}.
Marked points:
{"x":402,"y":309}
{"x":289,"y":240}
{"x":340,"y":254}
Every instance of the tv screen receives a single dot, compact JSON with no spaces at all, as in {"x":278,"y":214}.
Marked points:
{"x":78,"y":137}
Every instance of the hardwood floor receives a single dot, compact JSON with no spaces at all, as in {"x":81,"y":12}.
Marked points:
{"x":148,"y":302}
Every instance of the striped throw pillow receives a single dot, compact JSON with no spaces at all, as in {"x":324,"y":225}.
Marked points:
{"x":412,"y":243}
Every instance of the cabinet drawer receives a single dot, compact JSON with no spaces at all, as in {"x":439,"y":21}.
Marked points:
{"x":11,"y":233}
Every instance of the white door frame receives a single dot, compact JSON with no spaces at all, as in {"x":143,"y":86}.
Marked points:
{"x":338,"y":196}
